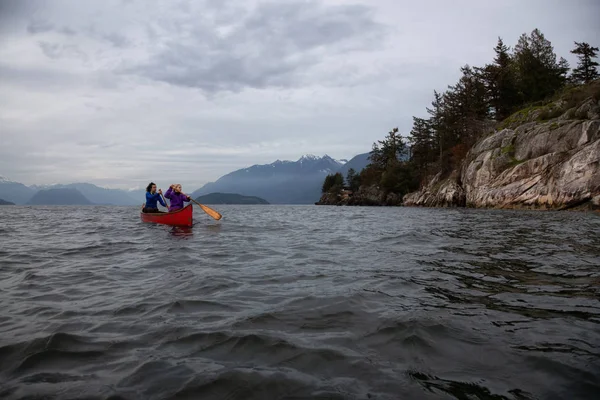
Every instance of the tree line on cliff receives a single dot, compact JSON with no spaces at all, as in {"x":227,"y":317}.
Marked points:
{"x":527,"y":75}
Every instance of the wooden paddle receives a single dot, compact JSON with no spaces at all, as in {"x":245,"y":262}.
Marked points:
{"x":165,"y":200}
{"x":216,"y":215}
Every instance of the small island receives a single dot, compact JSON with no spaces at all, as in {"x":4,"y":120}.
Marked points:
{"x":6,"y":203}
{"x":229,"y":198}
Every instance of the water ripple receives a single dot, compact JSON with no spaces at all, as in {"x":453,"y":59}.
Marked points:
{"x":297,"y":302}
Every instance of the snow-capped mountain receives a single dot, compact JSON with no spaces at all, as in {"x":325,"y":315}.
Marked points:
{"x":281,"y":182}
{"x":4,"y":179}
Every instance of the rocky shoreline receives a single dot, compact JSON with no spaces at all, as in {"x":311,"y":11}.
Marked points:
{"x":365,"y":196}
{"x":552,"y":165}
{"x":534,"y":162}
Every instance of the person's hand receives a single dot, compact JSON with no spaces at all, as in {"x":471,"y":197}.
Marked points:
{"x":172,"y":186}
{"x":159,"y":191}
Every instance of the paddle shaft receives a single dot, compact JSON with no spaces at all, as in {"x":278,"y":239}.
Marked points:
{"x":216,"y":215}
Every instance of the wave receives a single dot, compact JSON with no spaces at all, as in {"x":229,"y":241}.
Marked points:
{"x":375,"y":303}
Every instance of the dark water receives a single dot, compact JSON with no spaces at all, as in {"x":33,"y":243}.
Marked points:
{"x":299,"y":302}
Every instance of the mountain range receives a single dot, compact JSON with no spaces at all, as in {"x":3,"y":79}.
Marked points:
{"x":229,"y":198}
{"x":19,"y":193}
{"x":281,"y":182}
{"x":15,"y":192}
{"x":59,"y":196}
{"x":357,"y":163}
{"x":100,"y":195}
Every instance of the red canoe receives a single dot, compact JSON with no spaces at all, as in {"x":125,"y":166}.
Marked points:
{"x":181,"y":217}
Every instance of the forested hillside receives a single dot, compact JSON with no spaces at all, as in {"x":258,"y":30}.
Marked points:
{"x":483,"y":100}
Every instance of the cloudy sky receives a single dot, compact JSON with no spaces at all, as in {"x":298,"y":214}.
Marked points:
{"x":118,"y":92}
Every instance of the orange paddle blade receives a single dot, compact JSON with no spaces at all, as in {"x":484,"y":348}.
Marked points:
{"x":210,"y":211}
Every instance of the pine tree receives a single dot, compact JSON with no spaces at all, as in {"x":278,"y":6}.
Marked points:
{"x":586,"y":70}
{"x":333,"y":183}
{"x":501,"y":82}
{"x":352,"y":179}
{"x":438,"y":123}
{"x":540,"y":75}
{"x":466,"y":101}
{"x":459,"y":115}
{"x":387,"y":151}
{"x":464,"y":111}
{"x":327,"y":183}
{"x":423,"y":146}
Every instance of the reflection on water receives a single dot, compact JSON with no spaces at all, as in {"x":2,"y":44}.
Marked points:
{"x":181,"y":231}
{"x":213,"y":228}
{"x":300,"y":302}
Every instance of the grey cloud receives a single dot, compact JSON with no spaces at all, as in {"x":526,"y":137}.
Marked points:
{"x":68,"y":31}
{"x":273,"y":47}
{"x":51,"y":50}
{"x":117,"y":40}
{"x":40,"y":26}
{"x":189,"y":67}
{"x":36,"y":77}
{"x":18,"y":9}
{"x":56,"y":51}
{"x":330,"y":82}
{"x":307,"y":25}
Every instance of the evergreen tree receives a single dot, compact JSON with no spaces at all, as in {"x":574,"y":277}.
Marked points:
{"x":338,"y":180}
{"x":586,"y":70}
{"x":327,"y":183}
{"x":423,"y":145}
{"x":501,"y":82}
{"x":333,"y":183}
{"x":540,"y":75}
{"x":466,"y":107}
{"x":502,"y":59}
{"x":459,"y":115}
{"x":563,"y":70}
{"x":399,"y":178}
{"x":438,"y":124}
{"x":352,"y":180}
{"x":350,"y":176}
{"x":388,"y":150}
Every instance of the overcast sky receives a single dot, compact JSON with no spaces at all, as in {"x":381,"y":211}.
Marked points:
{"x":120,"y":92}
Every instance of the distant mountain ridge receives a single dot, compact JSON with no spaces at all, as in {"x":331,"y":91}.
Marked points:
{"x":357,"y":163}
{"x":19,"y":193}
{"x":282,"y":182}
{"x":15,"y":192}
{"x":230,"y":198}
{"x":64,"y":196}
{"x":6,"y":203}
{"x":101,"y":196}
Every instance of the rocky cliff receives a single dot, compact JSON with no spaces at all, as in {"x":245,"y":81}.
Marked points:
{"x":545,"y":157}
